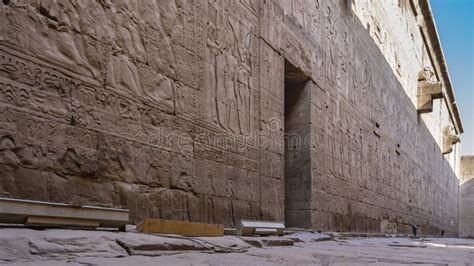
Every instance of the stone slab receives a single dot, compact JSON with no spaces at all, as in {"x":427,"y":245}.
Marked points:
{"x":407,"y":245}
{"x":260,"y":228}
{"x":23,"y":245}
{"x":308,"y":237}
{"x":260,"y":242}
{"x":20,"y":246}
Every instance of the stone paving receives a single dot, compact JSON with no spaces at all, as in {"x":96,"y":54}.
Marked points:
{"x":19,"y":246}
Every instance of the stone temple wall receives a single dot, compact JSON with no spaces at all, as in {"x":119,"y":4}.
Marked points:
{"x":176,"y":109}
{"x":466,"y":198}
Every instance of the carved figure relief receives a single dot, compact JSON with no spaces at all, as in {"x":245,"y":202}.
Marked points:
{"x":7,"y":154}
{"x":228,"y":71}
{"x":54,"y":35}
{"x":225,"y":95}
{"x":163,"y":26}
{"x":64,"y":32}
{"x":123,"y":73}
{"x":343,"y":62}
{"x":331,"y":73}
{"x":344,"y":53}
{"x":244,"y":85}
{"x":213,"y":52}
{"x":161,"y":90}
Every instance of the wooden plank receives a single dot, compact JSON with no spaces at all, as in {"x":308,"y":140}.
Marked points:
{"x":20,"y":211}
{"x":180,"y":228}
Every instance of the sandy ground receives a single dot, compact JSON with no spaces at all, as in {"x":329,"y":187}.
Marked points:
{"x":20,"y":246}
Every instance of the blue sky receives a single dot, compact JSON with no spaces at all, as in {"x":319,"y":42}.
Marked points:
{"x":455,"y":22}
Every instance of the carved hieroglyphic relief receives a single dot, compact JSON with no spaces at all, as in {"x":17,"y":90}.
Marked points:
{"x":113,"y":52}
{"x":229,"y":70}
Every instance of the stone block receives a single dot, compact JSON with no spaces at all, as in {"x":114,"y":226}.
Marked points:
{"x":428,"y":89}
{"x":49,"y":214}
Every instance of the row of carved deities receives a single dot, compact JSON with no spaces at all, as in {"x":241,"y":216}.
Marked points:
{"x":428,"y":90}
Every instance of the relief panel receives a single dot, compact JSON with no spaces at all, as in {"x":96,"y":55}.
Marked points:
{"x":230,"y":70}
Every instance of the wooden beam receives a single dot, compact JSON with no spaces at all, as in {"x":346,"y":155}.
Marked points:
{"x":180,"y":228}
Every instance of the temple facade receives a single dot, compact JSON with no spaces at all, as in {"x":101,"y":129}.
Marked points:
{"x":330,"y":115}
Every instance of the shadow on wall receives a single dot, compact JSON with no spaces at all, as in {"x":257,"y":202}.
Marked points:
{"x":412,"y":180}
{"x":466,"y":209}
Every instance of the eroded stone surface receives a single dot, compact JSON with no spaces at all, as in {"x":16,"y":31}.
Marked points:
{"x":268,"y":241}
{"x":153,"y":245}
{"x":30,"y":245}
{"x":27,"y":245}
{"x":354,"y":251}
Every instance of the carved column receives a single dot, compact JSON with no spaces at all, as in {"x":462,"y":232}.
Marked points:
{"x":428,"y":90}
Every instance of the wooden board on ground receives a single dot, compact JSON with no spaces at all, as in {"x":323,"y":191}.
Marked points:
{"x":180,"y":228}
{"x":52,"y":214}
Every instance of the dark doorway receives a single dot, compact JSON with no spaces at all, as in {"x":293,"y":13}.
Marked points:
{"x":297,"y":150}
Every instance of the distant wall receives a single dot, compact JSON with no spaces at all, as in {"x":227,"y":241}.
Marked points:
{"x":466,"y":197}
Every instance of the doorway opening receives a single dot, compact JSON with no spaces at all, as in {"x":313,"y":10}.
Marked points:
{"x":297,"y":151}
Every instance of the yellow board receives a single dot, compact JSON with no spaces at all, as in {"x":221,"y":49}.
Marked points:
{"x":180,"y":228}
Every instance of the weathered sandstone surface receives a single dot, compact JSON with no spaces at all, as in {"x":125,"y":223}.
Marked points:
{"x":179,"y":109}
